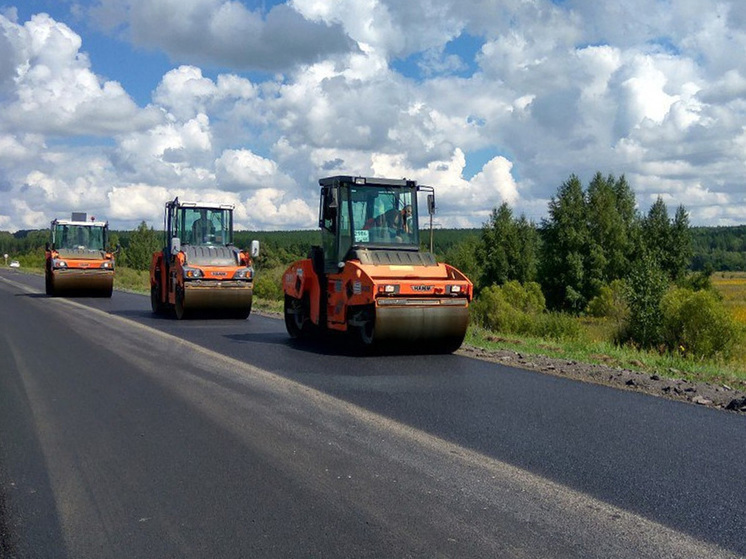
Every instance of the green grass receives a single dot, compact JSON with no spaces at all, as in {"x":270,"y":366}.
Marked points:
{"x":128,"y":279}
{"x":587,"y":350}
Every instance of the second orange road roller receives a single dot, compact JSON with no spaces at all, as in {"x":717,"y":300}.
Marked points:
{"x":370,"y":278}
{"x":199,"y":268}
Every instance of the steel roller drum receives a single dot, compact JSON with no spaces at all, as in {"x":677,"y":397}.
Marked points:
{"x":83,"y":281}
{"x":225,"y":296}
{"x":435,"y":323}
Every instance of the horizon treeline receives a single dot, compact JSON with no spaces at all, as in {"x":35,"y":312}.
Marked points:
{"x":589,"y":238}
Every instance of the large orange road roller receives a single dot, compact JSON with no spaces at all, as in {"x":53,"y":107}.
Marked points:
{"x":369,"y":277}
{"x":200,"y":269}
{"x":77,"y":260}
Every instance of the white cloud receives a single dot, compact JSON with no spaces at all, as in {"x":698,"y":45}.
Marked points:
{"x":270,"y":208}
{"x":55,"y":91}
{"x":223,"y":32}
{"x":134,"y":203}
{"x":244,"y":170}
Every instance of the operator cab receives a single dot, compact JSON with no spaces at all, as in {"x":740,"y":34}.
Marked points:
{"x":359,"y":213}
{"x":201,"y":225}
{"x":79,"y":235}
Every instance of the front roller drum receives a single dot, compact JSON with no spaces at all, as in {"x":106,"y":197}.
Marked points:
{"x":430,"y":328}
{"x":234,"y":302}
{"x":85,"y":283}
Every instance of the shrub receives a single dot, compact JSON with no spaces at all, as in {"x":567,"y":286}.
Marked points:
{"x":492,"y":311}
{"x":697,"y":281}
{"x":268,"y":284}
{"x":527,"y":298}
{"x":610,"y":302}
{"x":645,"y":288}
{"x":517,"y":309}
{"x":555,"y":326}
{"x":697,"y":323}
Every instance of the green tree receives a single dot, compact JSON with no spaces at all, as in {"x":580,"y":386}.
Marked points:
{"x":465,"y":257}
{"x":565,"y":237}
{"x":498,"y":241}
{"x":612,"y":223}
{"x":680,"y":251}
{"x":669,"y":242}
{"x":144,"y":241}
{"x":656,"y":231}
{"x":509,"y":248}
{"x":527,"y":259}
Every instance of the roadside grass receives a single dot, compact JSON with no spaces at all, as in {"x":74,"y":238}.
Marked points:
{"x":129,"y":279}
{"x":595,"y":345}
{"x":588,"y":350}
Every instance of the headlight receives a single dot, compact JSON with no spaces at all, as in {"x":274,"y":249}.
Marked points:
{"x":107,"y":265}
{"x":389,"y":289}
{"x":192,"y":273}
{"x":244,"y":273}
{"x":59,"y":264}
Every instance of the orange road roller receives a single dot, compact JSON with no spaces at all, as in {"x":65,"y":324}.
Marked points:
{"x":370,"y":278}
{"x":77,"y":260}
{"x":200,"y":270}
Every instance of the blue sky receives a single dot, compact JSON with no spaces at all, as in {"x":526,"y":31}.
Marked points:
{"x":115,"y":106}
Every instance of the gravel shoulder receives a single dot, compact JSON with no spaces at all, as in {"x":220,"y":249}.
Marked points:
{"x":719,"y":396}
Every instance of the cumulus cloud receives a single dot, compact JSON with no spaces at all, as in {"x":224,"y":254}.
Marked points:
{"x":223,"y":32}
{"x":270,"y":208}
{"x":54,"y":90}
{"x":138,"y":202}
{"x":244,"y":170}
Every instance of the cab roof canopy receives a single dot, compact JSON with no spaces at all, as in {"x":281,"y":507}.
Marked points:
{"x":206,"y":205}
{"x":362,"y":181}
{"x":80,"y":223}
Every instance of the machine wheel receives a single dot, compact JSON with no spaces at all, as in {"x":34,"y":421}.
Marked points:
{"x":179,"y":306}
{"x":296,"y":316}
{"x":155,"y":299}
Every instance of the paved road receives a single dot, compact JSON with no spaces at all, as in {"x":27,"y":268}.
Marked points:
{"x":128,"y":435}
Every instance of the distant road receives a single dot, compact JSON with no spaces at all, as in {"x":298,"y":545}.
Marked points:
{"x":123,"y":434}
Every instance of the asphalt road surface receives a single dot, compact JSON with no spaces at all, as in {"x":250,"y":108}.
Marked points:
{"x":123,"y":434}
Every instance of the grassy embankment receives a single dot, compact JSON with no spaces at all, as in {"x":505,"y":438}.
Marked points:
{"x":593,"y":346}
